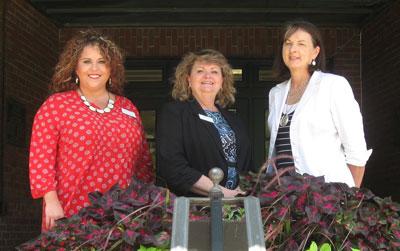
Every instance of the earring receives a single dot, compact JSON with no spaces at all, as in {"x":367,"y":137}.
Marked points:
{"x":109,"y":82}
{"x":77,"y":81}
{"x":313,"y":63}
{"x":189,"y":89}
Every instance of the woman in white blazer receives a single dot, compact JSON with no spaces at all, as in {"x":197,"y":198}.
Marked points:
{"x":314,"y":120}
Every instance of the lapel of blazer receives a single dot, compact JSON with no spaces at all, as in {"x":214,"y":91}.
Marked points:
{"x":279,"y":103}
{"x":308,"y":93}
{"x":212,"y":131}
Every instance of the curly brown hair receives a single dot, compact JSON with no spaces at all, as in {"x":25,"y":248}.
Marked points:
{"x":64,"y":75}
{"x":181,"y":90}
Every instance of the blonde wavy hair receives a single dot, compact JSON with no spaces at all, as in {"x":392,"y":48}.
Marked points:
{"x":64,"y":74}
{"x":181,"y":90}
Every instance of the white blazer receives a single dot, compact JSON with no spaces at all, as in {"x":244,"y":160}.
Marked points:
{"x":326,"y":131}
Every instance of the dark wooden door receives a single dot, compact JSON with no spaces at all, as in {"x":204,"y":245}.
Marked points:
{"x":149,"y":87}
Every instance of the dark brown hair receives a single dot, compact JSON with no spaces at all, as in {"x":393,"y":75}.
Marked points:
{"x":64,"y":75}
{"x":181,"y":90}
{"x":280,"y":69}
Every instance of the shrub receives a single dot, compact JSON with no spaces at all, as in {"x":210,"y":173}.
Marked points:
{"x":123,"y":219}
{"x":297,"y":210}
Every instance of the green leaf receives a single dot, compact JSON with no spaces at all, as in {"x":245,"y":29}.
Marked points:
{"x":325,"y":247}
{"x":142,"y":248}
{"x":287,"y":226}
{"x":313,"y":247}
{"x":355,"y":249}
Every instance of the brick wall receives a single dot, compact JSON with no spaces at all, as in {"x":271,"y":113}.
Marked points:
{"x":31,"y":49}
{"x":342,"y":43}
{"x":381,"y":91}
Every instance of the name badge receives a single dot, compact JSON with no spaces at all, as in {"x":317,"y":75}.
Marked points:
{"x":129,"y":113}
{"x":208,"y":119}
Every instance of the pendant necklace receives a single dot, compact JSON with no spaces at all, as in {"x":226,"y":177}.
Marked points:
{"x":296,"y":96}
{"x":284,"y":120}
{"x":108,"y":108}
{"x":285,"y":115}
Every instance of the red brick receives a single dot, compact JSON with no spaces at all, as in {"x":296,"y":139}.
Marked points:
{"x":31,"y":52}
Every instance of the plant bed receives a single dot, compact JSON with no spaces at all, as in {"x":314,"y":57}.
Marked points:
{"x":297,"y":210}
{"x":300,"y":209}
{"x":118,"y":220}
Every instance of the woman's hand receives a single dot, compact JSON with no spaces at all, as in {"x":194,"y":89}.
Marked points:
{"x":232,"y":193}
{"x":204,"y":185}
{"x":53,"y":209}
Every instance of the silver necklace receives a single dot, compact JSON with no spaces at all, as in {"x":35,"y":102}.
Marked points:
{"x":285,"y":115}
{"x":295,"y":95}
{"x":284,"y":120}
{"x":108,"y":108}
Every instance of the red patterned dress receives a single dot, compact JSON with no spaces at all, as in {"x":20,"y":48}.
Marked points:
{"x":75,"y":151}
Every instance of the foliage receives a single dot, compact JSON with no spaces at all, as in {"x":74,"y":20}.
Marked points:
{"x":297,"y":210}
{"x":324,"y":247}
{"x":143,"y":248}
{"x":233,"y":213}
{"x":123,"y":219}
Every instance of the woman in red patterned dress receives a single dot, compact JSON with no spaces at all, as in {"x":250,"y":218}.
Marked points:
{"x":86,"y":137}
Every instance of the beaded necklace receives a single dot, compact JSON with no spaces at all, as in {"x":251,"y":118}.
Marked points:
{"x":108,"y":108}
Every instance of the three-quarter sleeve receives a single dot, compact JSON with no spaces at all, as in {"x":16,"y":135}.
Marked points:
{"x":43,"y":149}
{"x":348,"y":121}
{"x":144,"y":166}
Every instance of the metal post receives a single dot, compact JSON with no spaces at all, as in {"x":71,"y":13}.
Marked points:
{"x":254,"y":225}
{"x":180,"y":225}
{"x":217,"y":232}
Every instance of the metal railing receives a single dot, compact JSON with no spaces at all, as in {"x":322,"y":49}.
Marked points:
{"x":217,"y":235}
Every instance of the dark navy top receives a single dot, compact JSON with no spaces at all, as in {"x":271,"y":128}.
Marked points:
{"x":282,"y":145}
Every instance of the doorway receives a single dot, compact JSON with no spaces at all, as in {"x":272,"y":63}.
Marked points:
{"x":149,"y":87}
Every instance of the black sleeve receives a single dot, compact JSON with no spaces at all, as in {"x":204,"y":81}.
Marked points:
{"x":248,"y":164}
{"x":246,"y":151}
{"x":173,"y":169}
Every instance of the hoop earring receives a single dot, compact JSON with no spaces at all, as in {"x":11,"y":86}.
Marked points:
{"x":77,"y":81}
{"x":313,"y":63}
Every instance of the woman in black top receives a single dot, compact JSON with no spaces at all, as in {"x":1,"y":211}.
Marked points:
{"x":195,"y":133}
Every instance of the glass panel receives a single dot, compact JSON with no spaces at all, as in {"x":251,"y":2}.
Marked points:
{"x":237,"y":74}
{"x":149,"y":124}
{"x":144,"y":75}
{"x":265,"y":74}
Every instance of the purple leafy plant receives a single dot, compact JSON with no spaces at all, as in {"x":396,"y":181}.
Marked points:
{"x":119,"y":219}
{"x":296,"y":210}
